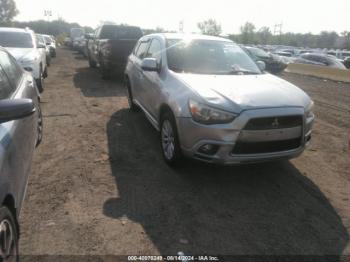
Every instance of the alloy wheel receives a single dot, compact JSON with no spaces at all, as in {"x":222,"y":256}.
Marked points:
{"x":168,"y":140}
{"x":8,"y":250}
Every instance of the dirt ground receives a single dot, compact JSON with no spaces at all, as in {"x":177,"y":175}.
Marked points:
{"x":99,"y":185}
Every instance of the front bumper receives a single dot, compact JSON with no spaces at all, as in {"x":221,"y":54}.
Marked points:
{"x":225,"y":137}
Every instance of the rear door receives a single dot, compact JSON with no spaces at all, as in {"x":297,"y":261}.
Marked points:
{"x":18,"y":137}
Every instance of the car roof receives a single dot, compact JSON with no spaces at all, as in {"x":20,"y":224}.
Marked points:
{"x":11,"y":29}
{"x":191,"y":36}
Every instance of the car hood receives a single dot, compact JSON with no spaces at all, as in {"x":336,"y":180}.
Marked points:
{"x":242,"y":92}
{"x":20,"y":53}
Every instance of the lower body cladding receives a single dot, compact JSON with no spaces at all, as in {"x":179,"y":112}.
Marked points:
{"x":254,"y":136}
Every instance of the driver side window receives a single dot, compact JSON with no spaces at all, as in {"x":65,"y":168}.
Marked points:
{"x":155,"y":51}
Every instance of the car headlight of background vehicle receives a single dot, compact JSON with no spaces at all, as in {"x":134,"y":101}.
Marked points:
{"x":309,"y":110}
{"x":207,"y":115}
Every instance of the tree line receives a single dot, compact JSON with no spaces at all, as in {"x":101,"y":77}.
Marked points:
{"x":249,"y":34}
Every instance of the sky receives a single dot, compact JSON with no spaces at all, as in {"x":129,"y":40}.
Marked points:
{"x":298,"y":16}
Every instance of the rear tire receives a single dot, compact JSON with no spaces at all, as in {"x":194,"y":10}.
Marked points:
{"x":9,"y":236}
{"x":46,"y":73}
{"x":92,"y":63}
{"x":106,"y":73}
{"x":169,"y":140}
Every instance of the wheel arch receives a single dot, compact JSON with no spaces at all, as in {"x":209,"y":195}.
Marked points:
{"x":10,"y":203}
{"x":164,"y":108}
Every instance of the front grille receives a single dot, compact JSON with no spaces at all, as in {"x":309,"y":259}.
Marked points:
{"x":278,"y":122}
{"x":266,"y":147}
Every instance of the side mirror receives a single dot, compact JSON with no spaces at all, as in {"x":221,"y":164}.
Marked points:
{"x":13,"y":109}
{"x":261,"y":65}
{"x":150,"y":64}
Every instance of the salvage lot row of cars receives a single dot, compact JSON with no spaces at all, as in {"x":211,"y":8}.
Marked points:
{"x":207,"y":97}
{"x":24,"y":61}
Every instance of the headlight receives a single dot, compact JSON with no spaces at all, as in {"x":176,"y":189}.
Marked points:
{"x":206,"y":115}
{"x":308,"y":111}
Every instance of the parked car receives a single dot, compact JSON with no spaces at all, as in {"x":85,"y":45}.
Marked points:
{"x":76,"y":36}
{"x":20,"y":133}
{"x":320,"y":59}
{"x":42,"y":41}
{"x":347,"y":62}
{"x":273,"y":63}
{"x":22,"y":44}
{"x":67,"y":42}
{"x":51,"y":43}
{"x":210,"y":101}
{"x":111,"y":46}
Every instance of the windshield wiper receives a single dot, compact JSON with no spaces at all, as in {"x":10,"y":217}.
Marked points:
{"x":243,"y":72}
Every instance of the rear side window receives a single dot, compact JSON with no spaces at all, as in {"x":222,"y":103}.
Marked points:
{"x":107,"y":31}
{"x":128,"y":33}
{"x":5,"y":86}
{"x":11,"y":69}
{"x":142,"y":49}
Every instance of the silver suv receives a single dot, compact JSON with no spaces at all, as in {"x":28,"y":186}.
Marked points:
{"x":20,"y":132}
{"x":212,"y":102}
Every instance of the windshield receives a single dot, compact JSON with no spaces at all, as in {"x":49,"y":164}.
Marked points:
{"x":16,"y":39}
{"x":47,"y":39}
{"x":76,"y":32}
{"x":208,"y":57}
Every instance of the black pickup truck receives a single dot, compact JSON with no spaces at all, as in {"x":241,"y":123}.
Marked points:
{"x":110,"y":47}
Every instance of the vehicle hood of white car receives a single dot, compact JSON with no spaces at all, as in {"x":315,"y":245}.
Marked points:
{"x":242,"y":92}
{"x":21,"y":53}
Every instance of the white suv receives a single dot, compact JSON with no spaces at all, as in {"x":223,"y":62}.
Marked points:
{"x":23,"y":45}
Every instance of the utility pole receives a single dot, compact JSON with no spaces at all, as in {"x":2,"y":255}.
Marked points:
{"x":278,"y":30}
{"x":181,"y":26}
{"x":48,"y":14}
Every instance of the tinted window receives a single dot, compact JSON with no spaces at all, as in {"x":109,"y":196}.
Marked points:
{"x":108,"y":31}
{"x":10,"y":67}
{"x":5,"y":87}
{"x":142,"y":49}
{"x":76,"y":32}
{"x":16,"y":39}
{"x":155,"y":50}
{"x":126,"y":32}
{"x":40,"y":40}
{"x":208,"y":57}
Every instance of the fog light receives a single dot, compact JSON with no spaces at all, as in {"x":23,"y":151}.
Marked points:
{"x":208,"y":149}
{"x":29,"y":69}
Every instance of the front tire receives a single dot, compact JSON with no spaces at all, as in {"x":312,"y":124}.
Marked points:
{"x":40,"y":83}
{"x":92,"y":63}
{"x":40,"y":126}
{"x":169,"y":140}
{"x":9,"y":236}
